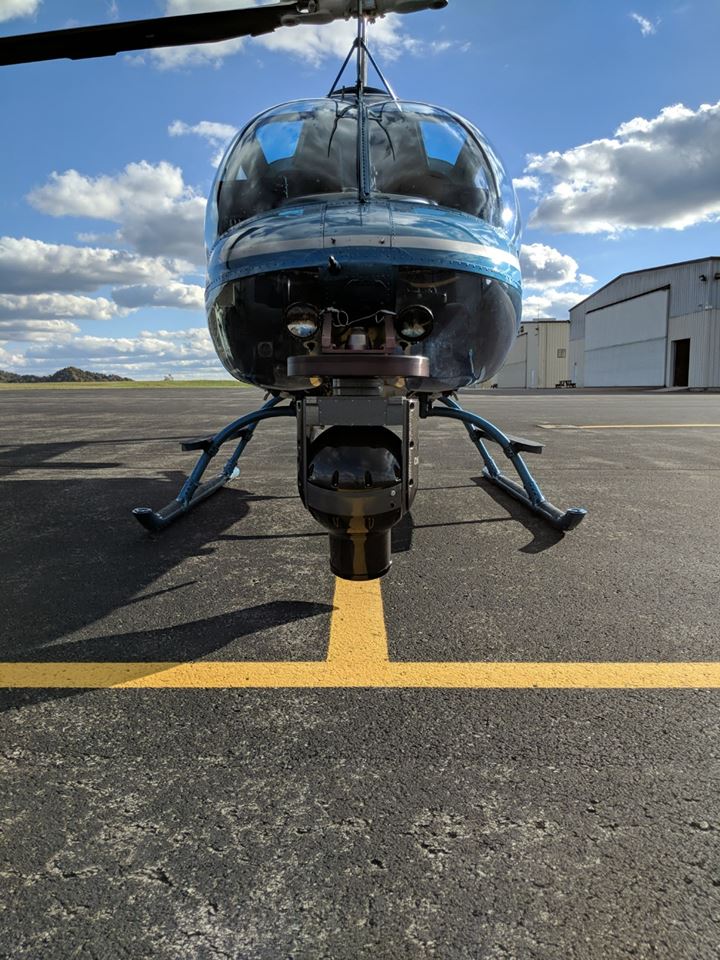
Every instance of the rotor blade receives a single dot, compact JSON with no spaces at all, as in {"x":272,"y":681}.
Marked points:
{"x":108,"y":39}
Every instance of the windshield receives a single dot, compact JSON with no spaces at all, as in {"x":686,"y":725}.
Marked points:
{"x":309,"y":148}
{"x":296,"y":150}
{"x":424,"y":152}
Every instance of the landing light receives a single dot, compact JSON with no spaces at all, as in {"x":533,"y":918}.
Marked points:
{"x":302,"y":320}
{"x":414,"y":323}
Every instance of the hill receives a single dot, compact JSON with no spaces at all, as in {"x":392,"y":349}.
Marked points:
{"x":66,"y":375}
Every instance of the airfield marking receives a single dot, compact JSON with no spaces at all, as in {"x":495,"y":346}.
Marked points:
{"x":358,"y":611}
{"x":317,"y":674}
{"x":627,"y":426}
{"x":358,"y":657}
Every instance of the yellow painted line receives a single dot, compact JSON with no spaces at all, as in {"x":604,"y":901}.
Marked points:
{"x":357,"y":627}
{"x":627,"y":426}
{"x":206,"y":674}
{"x":358,"y":657}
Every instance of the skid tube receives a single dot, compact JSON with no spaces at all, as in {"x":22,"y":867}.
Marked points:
{"x":193,"y":491}
{"x":529,"y":493}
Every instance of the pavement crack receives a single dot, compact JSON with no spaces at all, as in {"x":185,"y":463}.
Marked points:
{"x":158,"y":875}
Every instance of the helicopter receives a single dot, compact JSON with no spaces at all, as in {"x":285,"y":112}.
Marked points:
{"x":362,"y":267}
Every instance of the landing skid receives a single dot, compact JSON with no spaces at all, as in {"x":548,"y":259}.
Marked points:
{"x":529,"y":493}
{"x":193,"y":491}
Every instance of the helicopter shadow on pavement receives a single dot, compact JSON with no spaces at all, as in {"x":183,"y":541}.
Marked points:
{"x":43,"y":456}
{"x":544,"y":537}
{"x":71,"y":555}
{"x":401,"y":534}
{"x":33,"y":456}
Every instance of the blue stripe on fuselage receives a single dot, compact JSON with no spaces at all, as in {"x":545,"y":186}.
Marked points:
{"x":399,"y":233}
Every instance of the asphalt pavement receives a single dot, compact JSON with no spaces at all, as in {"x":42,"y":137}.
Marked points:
{"x":269,"y":823}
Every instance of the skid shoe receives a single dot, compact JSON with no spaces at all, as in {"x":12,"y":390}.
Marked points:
{"x":527,"y":492}
{"x":193,"y":491}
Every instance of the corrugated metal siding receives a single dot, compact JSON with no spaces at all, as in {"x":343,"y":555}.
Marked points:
{"x":640,"y":364}
{"x":713,"y":319}
{"x":703,"y":329}
{"x":555,"y":368}
{"x":533,"y":375}
{"x":642,"y":318}
{"x":518,"y":351}
{"x":533,"y":361}
{"x":688,"y":293}
{"x":577,"y":361}
{"x":625,"y":343}
{"x":512,"y":375}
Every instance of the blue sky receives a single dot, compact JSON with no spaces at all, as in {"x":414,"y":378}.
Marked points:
{"x":606,"y":114}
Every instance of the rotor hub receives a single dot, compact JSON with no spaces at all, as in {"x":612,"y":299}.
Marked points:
{"x":325,"y":11}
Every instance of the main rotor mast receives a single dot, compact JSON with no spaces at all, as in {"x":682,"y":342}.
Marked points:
{"x":362,"y":55}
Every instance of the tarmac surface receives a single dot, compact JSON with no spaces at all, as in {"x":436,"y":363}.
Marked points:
{"x":275,"y":823}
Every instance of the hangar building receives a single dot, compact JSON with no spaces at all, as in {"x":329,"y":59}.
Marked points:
{"x":539,"y":356}
{"x":650,"y":328}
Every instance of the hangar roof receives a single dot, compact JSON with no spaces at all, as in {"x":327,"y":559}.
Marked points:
{"x":630,"y":273}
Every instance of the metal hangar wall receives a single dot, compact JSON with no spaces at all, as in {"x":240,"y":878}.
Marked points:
{"x":658,"y":327}
{"x":539,"y":356}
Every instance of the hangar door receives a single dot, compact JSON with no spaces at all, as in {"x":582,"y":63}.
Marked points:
{"x":514,"y":371}
{"x":625,"y":343}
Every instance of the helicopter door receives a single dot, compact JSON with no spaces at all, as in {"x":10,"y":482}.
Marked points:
{"x":357,"y":225}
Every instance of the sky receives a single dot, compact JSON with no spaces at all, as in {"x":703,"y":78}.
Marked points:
{"x":607,"y":116}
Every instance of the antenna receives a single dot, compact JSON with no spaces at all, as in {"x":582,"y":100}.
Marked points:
{"x":361,"y":49}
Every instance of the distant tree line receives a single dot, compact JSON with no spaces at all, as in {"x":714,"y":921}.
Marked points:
{"x":66,"y":375}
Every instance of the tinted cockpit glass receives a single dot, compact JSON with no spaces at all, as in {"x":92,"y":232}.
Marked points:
{"x":296,"y":150}
{"x":309,"y":148}
{"x":424,"y":152}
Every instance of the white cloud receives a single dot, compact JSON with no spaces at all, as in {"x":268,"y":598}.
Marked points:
{"x":552,"y":279}
{"x":158,"y":213}
{"x":314,"y":44}
{"x":173,"y":58}
{"x":32,"y":266}
{"x":56,"y":305}
{"x":55,"y":331}
{"x":543,"y":266}
{"x":188,"y":353}
{"x":169,"y":58}
{"x":527,"y":183}
{"x":18,"y":8}
{"x":185,"y":296}
{"x":10,"y":360}
{"x":216,"y":134}
{"x":551,"y":303}
{"x":647,"y":27}
{"x":386,"y":37}
{"x":661,"y":172}
{"x":45,"y":285}
{"x":175,"y":8}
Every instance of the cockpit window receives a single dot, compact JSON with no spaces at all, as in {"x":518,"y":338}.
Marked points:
{"x":441,"y":141}
{"x":296,"y":150}
{"x":309,"y":148}
{"x":423,"y":152}
{"x":279,"y":139}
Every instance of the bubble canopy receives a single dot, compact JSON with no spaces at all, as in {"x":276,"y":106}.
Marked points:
{"x":308,"y":149}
